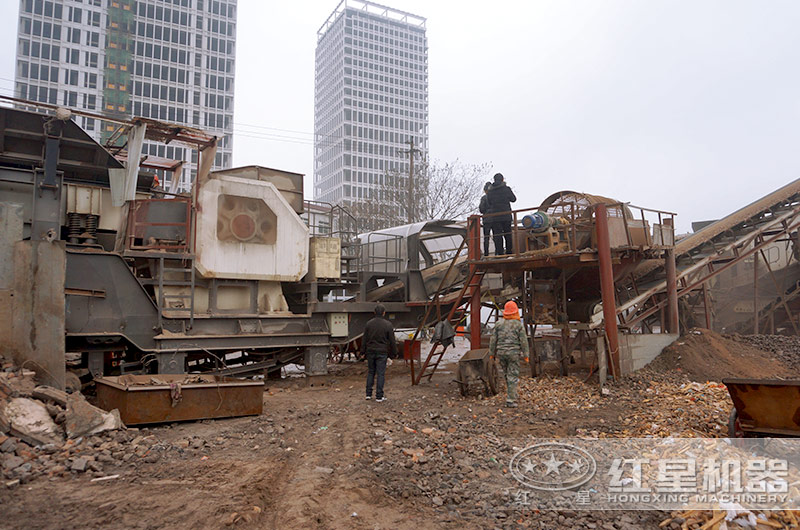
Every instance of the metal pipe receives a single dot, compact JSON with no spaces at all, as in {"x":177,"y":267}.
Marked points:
{"x":607,"y":285}
{"x":673,"y":325}
{"x":474,"y":254}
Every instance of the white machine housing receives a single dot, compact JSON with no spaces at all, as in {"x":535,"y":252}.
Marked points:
{"x":247,"y":230}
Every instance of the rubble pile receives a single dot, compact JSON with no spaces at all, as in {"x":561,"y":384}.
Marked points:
{"x":47,"y":432}
{"x":734,"y":517}
{"x":785,"y":349}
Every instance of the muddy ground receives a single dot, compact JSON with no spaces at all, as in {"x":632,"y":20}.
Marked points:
{"x":326,"y":458}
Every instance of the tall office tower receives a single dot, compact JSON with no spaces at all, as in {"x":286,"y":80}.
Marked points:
{"x":170,"y":60}
{"x":371,"y":101}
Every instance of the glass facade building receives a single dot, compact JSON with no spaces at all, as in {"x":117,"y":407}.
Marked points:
{"x":370,"y":101}
{"x":170,"y":60}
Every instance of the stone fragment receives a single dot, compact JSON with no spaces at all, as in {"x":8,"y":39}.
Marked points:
{"x":83,"y":419}
{"x":79,"y":464}
{"x":48,"y":393}
{"x":9,"y":446}
{"x":12,"y":462}
{"x":29,"y":421}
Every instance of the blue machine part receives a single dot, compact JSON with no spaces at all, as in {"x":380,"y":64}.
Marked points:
{"x":537,"y":221}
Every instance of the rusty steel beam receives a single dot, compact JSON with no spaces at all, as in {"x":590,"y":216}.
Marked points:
{"x":474,"y":254}
{"x":783,"y":221}
{"x":673,"y":320}
{"x":607,"y":285}
{"x":786,"y":220}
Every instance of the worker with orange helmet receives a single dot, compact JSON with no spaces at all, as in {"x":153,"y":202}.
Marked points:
{"x":509,"y":343}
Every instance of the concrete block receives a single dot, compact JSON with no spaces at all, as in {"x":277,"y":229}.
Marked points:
{"x":29,"y":421}
{"x":316,"y":360}
{"x":637,"y":350}
{"x":83,"y":418}
{"x":39,"y":309}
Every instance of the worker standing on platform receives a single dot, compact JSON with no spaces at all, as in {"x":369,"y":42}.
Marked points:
{"x":499,"y":198}
{"x":509,"y":343}
{"x":377,"y":344}
{"x":487,"y":222}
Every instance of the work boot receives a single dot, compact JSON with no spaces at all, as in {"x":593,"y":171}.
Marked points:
{"x":511,"y":404}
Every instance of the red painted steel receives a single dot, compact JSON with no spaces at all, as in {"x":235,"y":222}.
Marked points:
{"x":474,"y":254}
{"x":607,"y":285}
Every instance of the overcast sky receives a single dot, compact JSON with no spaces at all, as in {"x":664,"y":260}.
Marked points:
{"x":686,"y":106}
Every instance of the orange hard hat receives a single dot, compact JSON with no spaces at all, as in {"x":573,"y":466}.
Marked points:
{"x":510,"y":309}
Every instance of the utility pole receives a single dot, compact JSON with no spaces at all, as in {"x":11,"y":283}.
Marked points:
{"x":410,"y":152}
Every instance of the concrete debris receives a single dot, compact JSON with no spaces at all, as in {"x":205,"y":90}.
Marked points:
{"x":79,"y":464}
{"x":48,"y":393}
{"x":83,"y":418}
{"x":12,"y":462}
{"x":29,"y":420}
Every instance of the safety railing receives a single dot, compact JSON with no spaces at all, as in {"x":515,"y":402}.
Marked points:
{"x":382,"y":253}
{"x":567,"y":226}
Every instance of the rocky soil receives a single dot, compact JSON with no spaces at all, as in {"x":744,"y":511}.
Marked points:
{"x":325,"y":458}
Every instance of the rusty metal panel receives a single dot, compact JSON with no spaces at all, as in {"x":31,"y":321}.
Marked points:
{"x":766,"y":406}
{"x":164,"y":398}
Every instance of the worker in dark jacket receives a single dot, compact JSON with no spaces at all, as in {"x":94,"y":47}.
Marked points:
{"x":487,"y":223}
{"x":499,"y":198}
{"x":377,"y":344}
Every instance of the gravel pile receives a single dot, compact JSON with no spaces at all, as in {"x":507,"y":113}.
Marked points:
{"x":786,"y":349}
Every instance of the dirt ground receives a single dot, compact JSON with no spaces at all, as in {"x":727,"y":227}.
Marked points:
{"x":326,"y":458}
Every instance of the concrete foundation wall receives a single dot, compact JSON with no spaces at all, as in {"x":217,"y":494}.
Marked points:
{"x":637,"y":350}
{"x":39,"y":309}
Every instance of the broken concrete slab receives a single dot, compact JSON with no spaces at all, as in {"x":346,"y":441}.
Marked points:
{"x":29,"y":421}
{"x":48,"y":393}
{"x":83,"y":419}
{"x":79,"y":464}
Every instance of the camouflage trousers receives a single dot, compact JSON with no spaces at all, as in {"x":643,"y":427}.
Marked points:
{"x":509,"y":362}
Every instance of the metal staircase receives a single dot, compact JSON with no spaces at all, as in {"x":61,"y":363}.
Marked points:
{"x":457,"y":311}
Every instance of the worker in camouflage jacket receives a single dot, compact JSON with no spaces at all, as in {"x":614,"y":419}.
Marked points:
{"x":509,"y":343}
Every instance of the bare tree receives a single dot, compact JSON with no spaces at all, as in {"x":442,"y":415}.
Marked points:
{"x":450,"y":190}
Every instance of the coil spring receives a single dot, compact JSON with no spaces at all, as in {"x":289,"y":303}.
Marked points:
{"x":91,"y":228}
{"x":74,"y":226}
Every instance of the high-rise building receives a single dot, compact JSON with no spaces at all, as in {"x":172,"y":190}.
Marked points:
{"x":170,"y":60}
{"x":371,"y":101}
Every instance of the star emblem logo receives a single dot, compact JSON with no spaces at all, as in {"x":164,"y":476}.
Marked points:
{"x":552,"y":465}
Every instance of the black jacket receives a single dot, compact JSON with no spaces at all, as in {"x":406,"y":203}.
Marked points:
{"x":379,"y":337}
{"x":483,"y":207}
{"x":499,"y":199}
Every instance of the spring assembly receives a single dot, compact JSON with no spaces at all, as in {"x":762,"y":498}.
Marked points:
{"x":91,"y":229}
{"x":74,"y":227}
